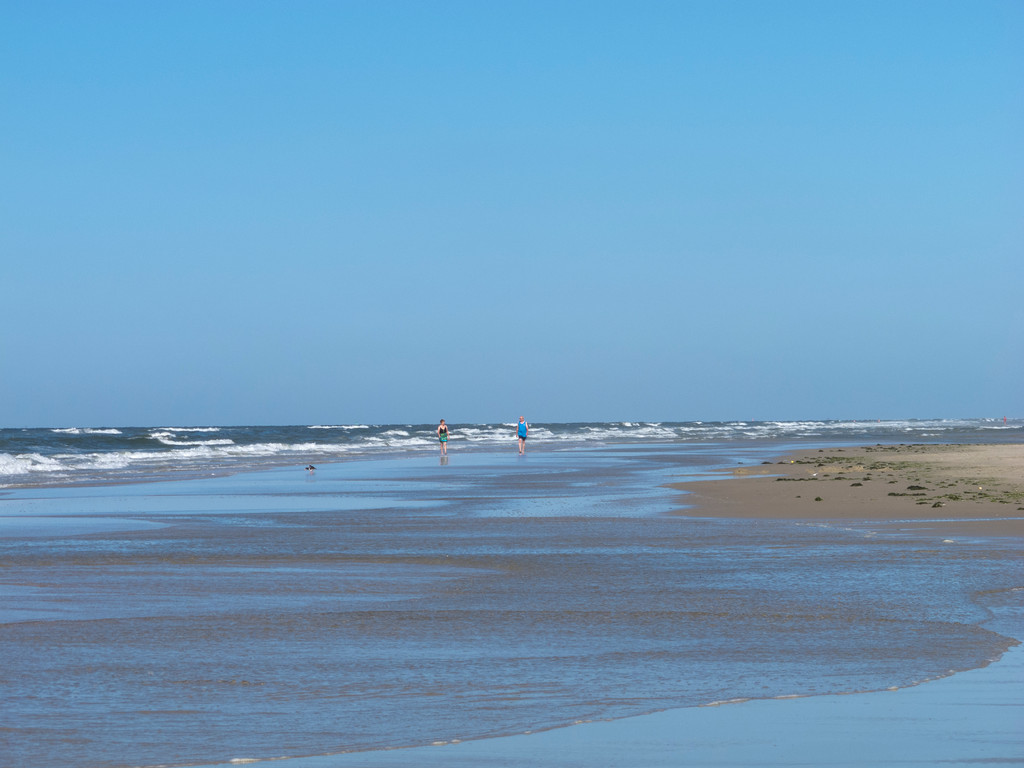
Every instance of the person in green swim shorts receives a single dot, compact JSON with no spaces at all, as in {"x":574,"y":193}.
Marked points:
{"x":442,"y":435}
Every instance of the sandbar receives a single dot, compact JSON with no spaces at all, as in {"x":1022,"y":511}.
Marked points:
{"x":972,"y":490}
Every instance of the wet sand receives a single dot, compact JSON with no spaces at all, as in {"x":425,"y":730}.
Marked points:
{"x":972,"y":718}
{"x":968,"y":718}
{"x":969,"y":490}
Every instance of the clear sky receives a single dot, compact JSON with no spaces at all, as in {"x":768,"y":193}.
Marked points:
{"x":338,"y":212}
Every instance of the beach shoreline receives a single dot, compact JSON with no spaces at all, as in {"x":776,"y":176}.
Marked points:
{"x":479,"y":548}
{"x":966,"y":490}
{"x":970,"y":717}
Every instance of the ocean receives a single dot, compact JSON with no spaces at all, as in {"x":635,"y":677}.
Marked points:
{"x":177,"y":596}
{"x":60,"y":456}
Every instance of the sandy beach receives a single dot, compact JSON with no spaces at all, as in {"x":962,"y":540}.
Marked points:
{"x":975,"y":490}
{"x":406,"y":612}
{"x":972,"y":718}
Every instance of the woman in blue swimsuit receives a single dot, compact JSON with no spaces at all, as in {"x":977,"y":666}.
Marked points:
{"x":523,"y":431}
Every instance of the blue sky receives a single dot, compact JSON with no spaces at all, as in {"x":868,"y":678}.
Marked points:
{"x":336,"y":212}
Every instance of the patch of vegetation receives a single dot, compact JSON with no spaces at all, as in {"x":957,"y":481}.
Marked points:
{"x":880,"y":466}
{"x":824,"y":461}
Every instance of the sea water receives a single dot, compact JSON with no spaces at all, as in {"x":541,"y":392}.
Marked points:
{"x":59,"y":456}
{"x":400,"y":600}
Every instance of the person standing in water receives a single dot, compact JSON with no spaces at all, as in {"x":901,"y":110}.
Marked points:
{"x":442,"y":435}
{"x":523,"y":431}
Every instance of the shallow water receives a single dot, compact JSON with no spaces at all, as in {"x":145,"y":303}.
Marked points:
{"x":397,"y":602}
{"x":58,"y":457}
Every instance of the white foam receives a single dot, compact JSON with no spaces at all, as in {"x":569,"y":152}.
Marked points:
{"x":13,"y":465}
{"x":86,"y":431}
{"x":25,"y":463}
{"x":189,"y":429}
{"x":168,"y":437}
